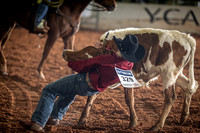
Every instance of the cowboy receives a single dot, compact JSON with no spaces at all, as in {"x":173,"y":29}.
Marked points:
{"x":40,"y":26}
{"x":94,"y":76}
{"x":39,"y":23}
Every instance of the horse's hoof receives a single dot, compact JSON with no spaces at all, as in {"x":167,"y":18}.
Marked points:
{"x":41,"y":75}
{"x":5,"y":73}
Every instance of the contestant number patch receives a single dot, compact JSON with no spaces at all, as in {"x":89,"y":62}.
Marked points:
{"x":126,"y":78}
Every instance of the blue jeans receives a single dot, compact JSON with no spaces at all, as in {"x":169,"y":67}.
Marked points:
{"x":41,"y":12}
{"x":66,"y":88}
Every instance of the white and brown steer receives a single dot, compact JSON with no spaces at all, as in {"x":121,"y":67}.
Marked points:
{"x":167,"y":53}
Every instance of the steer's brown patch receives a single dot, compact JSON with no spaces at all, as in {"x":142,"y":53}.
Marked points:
{"x":178,"y":51}
{"x":163,"y":54}
{"x":148,"y":40}
{"x":158,"y":56}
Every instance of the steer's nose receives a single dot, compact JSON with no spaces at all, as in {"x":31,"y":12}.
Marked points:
{"x":63,"y":54}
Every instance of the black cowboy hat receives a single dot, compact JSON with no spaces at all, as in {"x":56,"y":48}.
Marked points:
{"x":129,"y":48}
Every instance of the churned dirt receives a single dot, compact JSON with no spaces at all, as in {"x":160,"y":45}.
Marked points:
{"x":20,"y":92}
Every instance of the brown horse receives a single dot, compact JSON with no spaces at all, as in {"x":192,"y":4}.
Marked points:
{"x":63,"y":22}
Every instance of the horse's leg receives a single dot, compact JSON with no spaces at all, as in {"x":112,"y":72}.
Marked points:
{"x":3,"y":41}
{"x":129,"y":97}
{"x":86,"y":111}
{"x":170,"y":97}
{"x":69,"y":42}
{"x":52,"y":37}
{"x":183,"y":82}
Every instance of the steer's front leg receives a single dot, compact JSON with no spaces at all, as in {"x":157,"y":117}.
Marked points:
{"x":170,"y":97}
{"x":86,"y":111}
{"x":129,"y":97}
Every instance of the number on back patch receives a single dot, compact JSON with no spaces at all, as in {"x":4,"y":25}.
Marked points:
{"x":126,"y":78}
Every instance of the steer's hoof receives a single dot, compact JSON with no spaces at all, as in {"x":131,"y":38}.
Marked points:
{"x":183,"y":119}
{"x":132,"y":125}
{"x":82,"y":123}
{"x":155,"y":128}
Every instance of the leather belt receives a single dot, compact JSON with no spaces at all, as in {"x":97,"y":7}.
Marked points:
{"x":88,"y":81}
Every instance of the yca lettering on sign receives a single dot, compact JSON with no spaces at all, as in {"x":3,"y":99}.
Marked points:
{"x":172,"y":21}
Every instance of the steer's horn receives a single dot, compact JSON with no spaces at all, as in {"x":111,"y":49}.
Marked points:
{"x":104,"y":41}
{"x":107,"y":35}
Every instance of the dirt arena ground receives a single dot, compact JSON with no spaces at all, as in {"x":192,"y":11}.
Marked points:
{"x":21,"y":89}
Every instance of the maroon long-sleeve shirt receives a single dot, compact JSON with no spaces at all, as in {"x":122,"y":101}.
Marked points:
{"x":102,"y":69}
